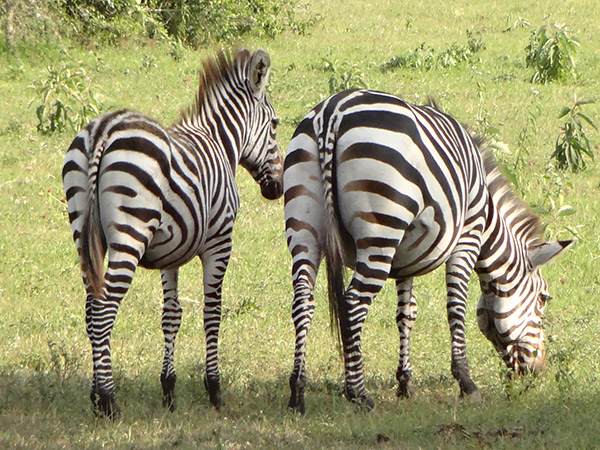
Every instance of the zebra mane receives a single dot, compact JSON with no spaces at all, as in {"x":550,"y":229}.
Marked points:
{"x":222,"y":68}
{"x":516,"y":213}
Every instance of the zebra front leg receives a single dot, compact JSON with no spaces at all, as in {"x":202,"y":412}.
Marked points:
{"x":406,"y":314}
{"x":214,"y":267}
{"x":302,"y":314}
{"x":458,"y":271}
{"x":171,"y":321}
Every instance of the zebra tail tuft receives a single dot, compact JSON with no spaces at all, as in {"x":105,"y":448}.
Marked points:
{"x":332,"y":245}
{"x":93,"y":247}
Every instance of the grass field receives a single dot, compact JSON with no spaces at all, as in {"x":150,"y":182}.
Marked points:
{"x":45,"y":358}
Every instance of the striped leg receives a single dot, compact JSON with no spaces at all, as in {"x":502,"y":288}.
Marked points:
{"x":214,"y":267}
{"x":406,"y":315}
{"x":372,"y":269}
{"x":171,"y":320}
{"x":102,"y":314}
{"x":306,"y":264}
{"x":458,"y":272}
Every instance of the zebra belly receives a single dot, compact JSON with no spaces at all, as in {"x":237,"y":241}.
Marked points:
{"x":424,"y":247}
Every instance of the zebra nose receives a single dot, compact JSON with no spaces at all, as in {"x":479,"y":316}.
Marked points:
{"x":272,"y":189}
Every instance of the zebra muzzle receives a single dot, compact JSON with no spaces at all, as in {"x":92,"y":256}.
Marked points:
{"x":271,"y":189}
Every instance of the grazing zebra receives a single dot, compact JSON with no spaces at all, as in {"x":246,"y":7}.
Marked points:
{"x":393,"y":190}
{"x":158,"y":197}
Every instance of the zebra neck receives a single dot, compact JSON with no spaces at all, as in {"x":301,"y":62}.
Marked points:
{"x":221,"y":115}
{"x":502,"y":258}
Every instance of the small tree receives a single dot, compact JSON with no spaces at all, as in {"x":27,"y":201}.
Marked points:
{"x":572,"y":143}
{"x":551,"y":52}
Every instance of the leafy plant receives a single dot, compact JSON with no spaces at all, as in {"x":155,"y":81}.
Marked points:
{"x":551,"y":52}
{"x":65,"y":100}
{"x":556,"y":185}
{"x":572,"y":143}
{"x":343,"y":76}
{"x":426,"y":58}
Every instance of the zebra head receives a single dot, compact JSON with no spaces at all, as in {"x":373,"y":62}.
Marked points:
{"x":260,"y":153}
{"x":510,"y":309}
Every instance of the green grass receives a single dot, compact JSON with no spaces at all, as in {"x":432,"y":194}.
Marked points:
{"x":45,"y":361}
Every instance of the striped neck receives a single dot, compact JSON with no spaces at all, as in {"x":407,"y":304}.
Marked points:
{"x":510,"y":229}
{"x":223,"y":104}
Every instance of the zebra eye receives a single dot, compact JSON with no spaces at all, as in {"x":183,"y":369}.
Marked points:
{"x":275,"y":122}
{"x":544,"y":297}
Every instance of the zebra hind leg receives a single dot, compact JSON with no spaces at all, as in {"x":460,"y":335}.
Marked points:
{"x":302,"y":314}
{"x":171,"y":321}
{"x":406,"y":315}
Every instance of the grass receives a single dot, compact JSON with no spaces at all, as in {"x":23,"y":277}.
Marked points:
{"x":45,"y":362}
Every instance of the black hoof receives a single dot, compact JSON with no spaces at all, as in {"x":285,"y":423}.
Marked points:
{"x":106,"y":406}
{"x":363,"y":399}
{"x":168,"y":385}
{"x":405,"y":389}
{"x":297,"y":405}
{"x":297,"y":386}
{"x":213,"y":387}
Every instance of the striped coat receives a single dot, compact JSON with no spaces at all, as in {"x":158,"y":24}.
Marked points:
{"x":144,"y":195}
{"x":394,"y":190}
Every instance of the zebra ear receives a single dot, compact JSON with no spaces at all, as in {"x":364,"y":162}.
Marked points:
{"x":259,"y":71}
{"x":540,"y":254}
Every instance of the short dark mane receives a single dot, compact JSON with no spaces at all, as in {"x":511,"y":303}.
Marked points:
{"x":516,"y":212}
{"x":217,"y":69}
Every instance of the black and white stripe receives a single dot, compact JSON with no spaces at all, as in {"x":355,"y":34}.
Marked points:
{"x":394,"y":190}
{"x":158,"y":197}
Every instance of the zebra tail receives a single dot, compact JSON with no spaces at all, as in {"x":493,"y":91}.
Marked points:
{"x":332,"y":242}
{"x":93,"y":246}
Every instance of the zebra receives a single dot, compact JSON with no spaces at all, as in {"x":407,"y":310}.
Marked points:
{"x":158,"y":197}
{"x":394,"y":190}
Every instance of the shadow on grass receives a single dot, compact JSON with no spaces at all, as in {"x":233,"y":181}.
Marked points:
{"x":35,"y":408}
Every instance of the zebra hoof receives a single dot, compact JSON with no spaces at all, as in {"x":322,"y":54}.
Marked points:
{"x":406,"y":389}
{"x":168,"y":385}
{"x":213,"y":386}
{"x":107,"y":407}
{"x":363,"y":399}
{"x":297,"y":405}
{"x":169,"y":402}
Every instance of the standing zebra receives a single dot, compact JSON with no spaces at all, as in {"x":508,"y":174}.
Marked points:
{"x":393,"y":190}
{"x":158,"y":197}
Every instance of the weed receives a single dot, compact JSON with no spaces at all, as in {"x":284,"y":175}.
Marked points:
{"x":65,"y":100}
{"x":343,"y":76}
{"x":572,"y":143}
{"x":148,"y":63}
{"x":551,"y":52}
{"x":426,"y":58}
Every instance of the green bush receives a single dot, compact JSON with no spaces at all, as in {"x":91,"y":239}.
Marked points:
{"x":572,"y":143}
{"x":193,"y":23}
{"x":427,"y":58}
{"x":551,"y":52}
{"x":64,"y":100}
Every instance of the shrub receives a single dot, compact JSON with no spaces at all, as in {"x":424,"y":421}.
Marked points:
{"x":572,"y":143}
{"x":551,"y":52}
{"x":343,"y":76}
{"x":65,"y":100}
{"x":426,"y":58}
